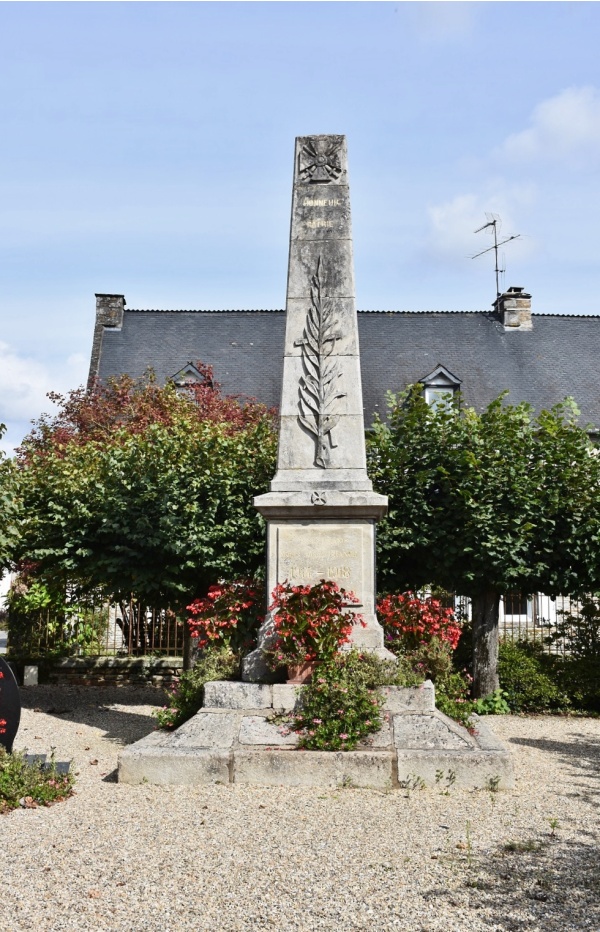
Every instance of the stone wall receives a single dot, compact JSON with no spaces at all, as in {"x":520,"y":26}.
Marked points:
{"x":115,"y":671}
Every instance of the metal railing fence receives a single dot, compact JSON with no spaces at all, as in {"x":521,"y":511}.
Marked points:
{"x":119,"y":629}
{"x":536,"y":618}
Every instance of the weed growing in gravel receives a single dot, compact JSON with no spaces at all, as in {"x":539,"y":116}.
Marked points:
{"x":412,"y":782}
{"x":520,"y":847}
{"x":30,"y":785}
{"x":450,"y":780}
{"x":469,"y":845}
{"x":494,"y":704}
{"x":493,"y":784}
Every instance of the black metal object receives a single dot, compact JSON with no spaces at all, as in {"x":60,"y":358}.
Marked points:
{"x":41,"y":760}
{"x":10,"y":706}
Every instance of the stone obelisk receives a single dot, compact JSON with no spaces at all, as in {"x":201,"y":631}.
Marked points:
{"x":321,"y":511}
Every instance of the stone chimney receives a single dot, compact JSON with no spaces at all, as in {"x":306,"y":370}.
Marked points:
{"x":514,"y":309}
{"x":109,"y":309}
{"x":109,"y":313}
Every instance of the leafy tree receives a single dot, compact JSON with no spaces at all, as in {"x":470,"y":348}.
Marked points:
{"x":8,"y":509}
{"x":141,"y":489}
{"x":486,"y":503}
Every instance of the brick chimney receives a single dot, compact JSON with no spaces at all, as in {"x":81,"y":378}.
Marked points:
{"x":109,"y":313}
{"x":514,"y":309}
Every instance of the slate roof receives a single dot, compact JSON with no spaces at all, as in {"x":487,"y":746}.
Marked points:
{"x":558,"y":357}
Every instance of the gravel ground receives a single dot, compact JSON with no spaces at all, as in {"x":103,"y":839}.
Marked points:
{"x":117,"y":857}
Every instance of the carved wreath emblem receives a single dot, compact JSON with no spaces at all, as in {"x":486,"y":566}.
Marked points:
{"x":320,"y":164}
{"x":318,"y":389}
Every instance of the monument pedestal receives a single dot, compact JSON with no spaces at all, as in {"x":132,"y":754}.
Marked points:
{"x":314,"y":535}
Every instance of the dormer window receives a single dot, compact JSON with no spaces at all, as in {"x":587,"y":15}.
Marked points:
{"x":440,"y":386}
{"x":188,"y":376}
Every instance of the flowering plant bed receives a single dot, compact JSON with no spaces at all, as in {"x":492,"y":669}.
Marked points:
{"x":413,"y":621}
{"x":311,"y":622}
{"x":229,"y":615}
{"x":30,"y":785}
{"x":341,"y":706}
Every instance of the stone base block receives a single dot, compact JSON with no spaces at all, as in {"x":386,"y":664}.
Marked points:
{"x":256,"y":729}
{"x":173,"y":765}
{"x":286,"y":697}
{"x":210,"y":730}
{"x":467,"y":769}
{"x":223,"y":694}
{"x":421,"y":731}
{"x":315,"y":768}
{"x":409,"y":699}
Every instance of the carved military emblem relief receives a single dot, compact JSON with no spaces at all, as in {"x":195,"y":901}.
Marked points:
{"x":319,"y":388}
{"x":320,"y":163}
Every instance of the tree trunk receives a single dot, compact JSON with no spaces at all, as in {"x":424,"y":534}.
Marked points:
{"x":485,"y":609}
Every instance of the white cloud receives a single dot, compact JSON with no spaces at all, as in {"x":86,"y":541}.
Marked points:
{"x":563,"y":128}
{"x":24,"y":384}
{"x":453,"y":223}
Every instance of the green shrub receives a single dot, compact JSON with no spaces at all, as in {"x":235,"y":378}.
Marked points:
{"x":452,"y":690}
{"x":374,"y":671}
{"x":525,"y":675}
{"x":494,"y":704}
{"x":579,"y":679}
{"x":187,"y":697}
{"x":35,"y":784}
{"x":341,"y":705}
{"x":577,"y":672}
{"x":44,"y":623}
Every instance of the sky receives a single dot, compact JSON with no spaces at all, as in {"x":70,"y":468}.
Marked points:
{"x":146,"y":149}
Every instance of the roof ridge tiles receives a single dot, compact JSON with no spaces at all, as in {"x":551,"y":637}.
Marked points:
{"x":278,"y":310}
{"x":192,"y":310}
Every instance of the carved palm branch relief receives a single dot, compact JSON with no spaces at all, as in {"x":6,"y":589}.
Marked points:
{"x":318,"y":390}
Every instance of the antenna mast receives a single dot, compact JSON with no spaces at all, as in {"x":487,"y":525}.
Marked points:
{"x":493,"y":226}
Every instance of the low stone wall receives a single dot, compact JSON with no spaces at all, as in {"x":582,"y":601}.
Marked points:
{"x":115,"y":671}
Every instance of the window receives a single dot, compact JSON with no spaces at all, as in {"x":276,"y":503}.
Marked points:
{"x":186,"y":377}
{"x":439,"y":386}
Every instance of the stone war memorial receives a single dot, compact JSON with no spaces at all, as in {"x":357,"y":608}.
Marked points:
{"x":321,"y":514}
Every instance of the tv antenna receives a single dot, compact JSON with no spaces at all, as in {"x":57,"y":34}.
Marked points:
{"x":492,"y":227}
